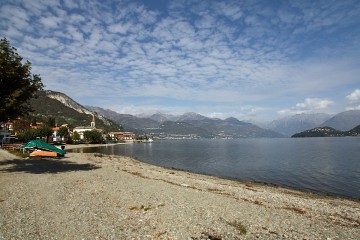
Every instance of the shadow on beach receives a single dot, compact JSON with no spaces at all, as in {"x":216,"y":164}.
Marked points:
{"x":38,"y":166}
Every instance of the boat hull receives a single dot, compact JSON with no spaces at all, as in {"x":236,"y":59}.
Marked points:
{"x":39,"y":153}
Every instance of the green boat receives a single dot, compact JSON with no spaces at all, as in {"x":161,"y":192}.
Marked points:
{"x":37,"y":144}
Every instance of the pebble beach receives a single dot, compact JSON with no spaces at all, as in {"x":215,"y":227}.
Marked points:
{"x":96,"y":196}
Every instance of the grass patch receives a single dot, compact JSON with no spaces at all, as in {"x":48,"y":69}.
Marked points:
{"x":294,"y":209}
{"x":137,"y":174}
{"x":146,"y":208}
{"x":239,"y":226}
{"x":19,"y":153}
{"x":142,"y":207}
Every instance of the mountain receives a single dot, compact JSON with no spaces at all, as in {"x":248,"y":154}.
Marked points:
{"x":344,"y":120}
{"x":65,"y":110}
{"x":69,"y":102}
{"x":191,"y":116}
{"x":129,"y":122}
{"x":298,"y":123}
{"x":228,"y":128}
{"x":189,"y":125}
{"x":240,"y":129}
{"x":161,"y":117}
{"x":179,"y":130}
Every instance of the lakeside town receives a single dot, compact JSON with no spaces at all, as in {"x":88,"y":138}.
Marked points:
{"x":11,"y":133}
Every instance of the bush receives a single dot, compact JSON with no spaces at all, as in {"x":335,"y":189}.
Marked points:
{"x":92,"y":136}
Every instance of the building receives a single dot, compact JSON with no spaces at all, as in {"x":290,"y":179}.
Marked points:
{"x":37,"y":125}
{"x":125,"y":136}
{"x":56,"y":137}
{"x":5,"y":130}
{"x":81,"y":129}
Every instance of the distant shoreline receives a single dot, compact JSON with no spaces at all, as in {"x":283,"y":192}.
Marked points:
{"x":83,"y":145}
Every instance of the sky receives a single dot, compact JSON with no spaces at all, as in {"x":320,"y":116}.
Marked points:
{"x":254,"y":60}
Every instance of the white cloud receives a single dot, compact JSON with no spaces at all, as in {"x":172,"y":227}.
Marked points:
{"x":353,"y":108}
{"x":310,"y":105}
{"x":354,"y":96}
{"x":14,"y":17}
{"x":354,"y":100}
{"x":75,"y":33}
{"x":119,"y":28}
{"x":51,"y":22}
{"x":191,"y":51}
{"x":70,"y":4}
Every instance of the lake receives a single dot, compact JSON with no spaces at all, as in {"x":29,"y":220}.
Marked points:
{"x":326,"y":165}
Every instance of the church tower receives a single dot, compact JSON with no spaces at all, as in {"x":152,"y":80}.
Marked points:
{"x":93,"y":121}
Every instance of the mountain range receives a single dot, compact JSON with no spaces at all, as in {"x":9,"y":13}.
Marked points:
{"x":189,"y":125}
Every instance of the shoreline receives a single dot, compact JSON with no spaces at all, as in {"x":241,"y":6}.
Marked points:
{"x":83,"y":145}
{"x":304,"y":190}
{"x":96,"y":195}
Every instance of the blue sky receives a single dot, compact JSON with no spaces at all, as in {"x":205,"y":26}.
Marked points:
{"x":254,"y":60}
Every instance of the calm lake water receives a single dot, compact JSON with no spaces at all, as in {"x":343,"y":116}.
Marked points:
{"x":327,"y":165}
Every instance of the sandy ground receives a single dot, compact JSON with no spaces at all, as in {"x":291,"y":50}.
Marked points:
{"x":95,"y":196}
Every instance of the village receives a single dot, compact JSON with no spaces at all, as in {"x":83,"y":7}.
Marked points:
{"x":11,"y":137}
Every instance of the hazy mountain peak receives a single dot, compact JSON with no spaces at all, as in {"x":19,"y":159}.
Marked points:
{"x":344,"y":121}
{"x":297,"y":123}
{"x":232,"y":120}
{"x":191,"y":116}
{"x":159,"y":117}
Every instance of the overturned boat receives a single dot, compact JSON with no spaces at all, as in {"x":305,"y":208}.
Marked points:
{"x":43,"y":149}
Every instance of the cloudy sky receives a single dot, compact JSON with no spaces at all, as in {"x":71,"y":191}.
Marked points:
{"x":254,"y":60}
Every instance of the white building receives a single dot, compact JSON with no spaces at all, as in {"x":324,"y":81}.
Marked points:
{"x":81,"y":129}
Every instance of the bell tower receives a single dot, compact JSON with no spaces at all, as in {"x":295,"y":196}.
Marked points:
{"x":93,"y":121}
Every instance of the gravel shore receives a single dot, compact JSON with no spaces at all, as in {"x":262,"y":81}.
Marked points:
{"x":95,"y":196}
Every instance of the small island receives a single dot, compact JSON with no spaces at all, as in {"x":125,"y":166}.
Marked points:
{"x":328,"y":132}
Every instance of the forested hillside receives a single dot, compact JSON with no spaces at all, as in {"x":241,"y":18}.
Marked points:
{"x":46,"y":107}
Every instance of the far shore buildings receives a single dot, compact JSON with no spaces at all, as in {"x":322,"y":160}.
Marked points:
{"x":125,"y":136}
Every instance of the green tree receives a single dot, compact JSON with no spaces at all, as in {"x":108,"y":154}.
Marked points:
{"x":51,"y":122}
{"x":33,"y":122}
{"x":28,"y":135}
{"x":44,"y":132}
{"x":63,"y":132}
{"x":76,"y":136}
{"x":92,"y":136}
{"x":17,"y":83}
{"x":22,"y":125}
